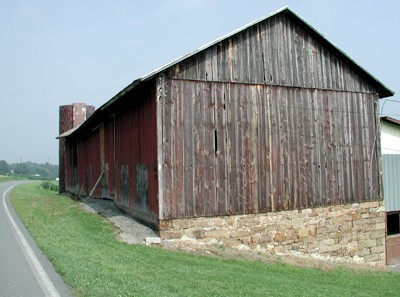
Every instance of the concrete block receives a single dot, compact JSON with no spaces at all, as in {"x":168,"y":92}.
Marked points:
{"x":152,"y":240}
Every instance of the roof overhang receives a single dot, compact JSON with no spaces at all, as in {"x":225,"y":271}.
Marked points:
{"x":68,"y":133}
{"x":390,"y":120}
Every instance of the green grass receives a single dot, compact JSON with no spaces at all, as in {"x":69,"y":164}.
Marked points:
{"x":4,"y":178}
{"x":84,"y":250}
{"x":11,"y":177}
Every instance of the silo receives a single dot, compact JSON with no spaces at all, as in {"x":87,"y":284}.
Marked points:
{"x":71,"y":116}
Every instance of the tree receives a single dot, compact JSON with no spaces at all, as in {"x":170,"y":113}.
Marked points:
{"x":28,"y":168}
{"x":23,"y":168}
{"x":4,"y":169}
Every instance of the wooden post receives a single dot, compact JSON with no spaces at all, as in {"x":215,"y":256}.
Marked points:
{"x":95,"y":185}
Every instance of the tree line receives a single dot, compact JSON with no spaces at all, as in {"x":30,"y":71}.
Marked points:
{"x":29,"y":168}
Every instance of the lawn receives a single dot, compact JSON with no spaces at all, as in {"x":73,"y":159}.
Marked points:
{"x":84,"y":250}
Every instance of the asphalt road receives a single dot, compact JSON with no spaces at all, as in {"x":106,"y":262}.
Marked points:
{"x":24,"y":270}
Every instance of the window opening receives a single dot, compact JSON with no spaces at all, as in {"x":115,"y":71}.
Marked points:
{"x":393,"y":223}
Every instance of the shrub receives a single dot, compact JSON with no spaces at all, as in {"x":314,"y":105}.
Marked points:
{"x":49,"y":185}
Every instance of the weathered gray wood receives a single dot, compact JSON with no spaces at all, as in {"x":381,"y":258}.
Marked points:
{"x":167,"y":149}
{"x":160,"y":95}
{"x":142,"y":186}
{"x":188,"y":149}
{"x":267,"y":120}
{"x":218,"y":93}
{"x":178,"y":98}
{"x":125,"y":185}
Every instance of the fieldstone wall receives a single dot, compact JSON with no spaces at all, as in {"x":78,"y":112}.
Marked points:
{"x":347,"y":233}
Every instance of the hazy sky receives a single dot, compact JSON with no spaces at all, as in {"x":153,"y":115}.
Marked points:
{"x":54,"y":53}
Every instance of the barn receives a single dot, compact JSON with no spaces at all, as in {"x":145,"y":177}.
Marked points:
{"x":266,"y":140}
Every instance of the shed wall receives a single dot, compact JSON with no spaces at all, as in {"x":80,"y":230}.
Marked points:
{"x":390,"y":138}
{"x":391,"y":185}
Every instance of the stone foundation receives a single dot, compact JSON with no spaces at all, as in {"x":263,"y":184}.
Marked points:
{"x":347,"y":233}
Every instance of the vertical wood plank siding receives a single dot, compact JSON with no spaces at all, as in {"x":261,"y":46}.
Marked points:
{"x":274,"y":52}
{"x":136,"y":143}
{"x":231,"y":148}
{"x":122,"y":141}
{"x":266,"y":120}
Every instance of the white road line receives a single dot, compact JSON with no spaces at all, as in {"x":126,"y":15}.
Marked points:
{"x":44,"y":280}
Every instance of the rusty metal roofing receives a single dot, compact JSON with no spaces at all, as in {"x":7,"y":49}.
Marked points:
{"x":381,"y":88}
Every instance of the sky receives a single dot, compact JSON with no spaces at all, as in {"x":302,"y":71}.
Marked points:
{"x":56,"y":53}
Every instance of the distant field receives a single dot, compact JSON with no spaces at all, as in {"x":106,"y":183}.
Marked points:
{"x":84,"y":250}
{"x":4,"y":178}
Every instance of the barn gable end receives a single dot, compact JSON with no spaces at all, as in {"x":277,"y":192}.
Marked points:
{"x":267,"y":119}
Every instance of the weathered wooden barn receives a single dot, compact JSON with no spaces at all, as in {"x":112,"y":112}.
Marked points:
{"x":269,"y":118}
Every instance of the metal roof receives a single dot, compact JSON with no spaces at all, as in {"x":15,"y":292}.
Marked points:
{"x":383,"y":91}
{"x":390,"y":120}
{"x":68,"y":133}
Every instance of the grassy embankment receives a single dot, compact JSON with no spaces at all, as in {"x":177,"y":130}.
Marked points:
{"x":84,"y":250}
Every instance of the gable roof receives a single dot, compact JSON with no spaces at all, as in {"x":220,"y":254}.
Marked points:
{"x":383,"y":91}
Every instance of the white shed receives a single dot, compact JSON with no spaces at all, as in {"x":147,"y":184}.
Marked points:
{"x":390,"y":148}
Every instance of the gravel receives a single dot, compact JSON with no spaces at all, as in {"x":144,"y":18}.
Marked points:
{"x":131,"y":231}
{"x":395,"y":267}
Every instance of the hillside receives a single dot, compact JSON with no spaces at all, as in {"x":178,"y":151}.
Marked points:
{"x":29,"y":168}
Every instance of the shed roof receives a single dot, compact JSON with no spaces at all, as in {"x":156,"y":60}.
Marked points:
{"x":390,"y":120}
{"x":383,"y":91}
{"x":68,"y":133}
